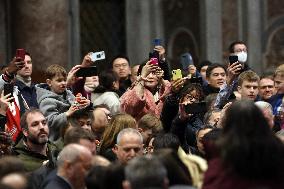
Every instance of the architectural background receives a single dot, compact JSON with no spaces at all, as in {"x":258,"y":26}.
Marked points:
{"x":63,"y":31}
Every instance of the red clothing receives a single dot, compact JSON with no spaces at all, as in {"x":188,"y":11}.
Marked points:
{"x":137,"y":107}
{"x":216,"y":177}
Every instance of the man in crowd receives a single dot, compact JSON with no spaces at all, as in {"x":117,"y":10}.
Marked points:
{"x":248,"y":85}
{"x":266,"y":88}
{"x":129,"y":144}
{"x":73,"y":162}
{"x":120,"y":65}
{"x":34,"y":148}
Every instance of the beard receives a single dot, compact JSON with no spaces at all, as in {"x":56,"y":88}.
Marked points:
{"x":37,"y":139}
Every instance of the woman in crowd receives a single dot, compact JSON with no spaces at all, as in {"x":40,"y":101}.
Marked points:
{"x":250,"y":155}
{"x":147,"y":93}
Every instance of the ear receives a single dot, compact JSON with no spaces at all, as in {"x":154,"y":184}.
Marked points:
{"x":239,"y":89}
{"x":115,"y":149}
{"x":140,"y":130}
{"x":126,"y":184}
{"x":25,"y":132}
{"x":48,"y":81}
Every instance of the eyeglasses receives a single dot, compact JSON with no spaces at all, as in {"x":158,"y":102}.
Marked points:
{"x":191,"y":97}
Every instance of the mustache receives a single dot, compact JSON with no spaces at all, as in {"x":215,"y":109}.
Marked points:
{"x":42,"y":132}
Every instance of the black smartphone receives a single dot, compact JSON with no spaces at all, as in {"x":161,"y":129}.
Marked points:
{"x":87,"y":71}
{"x":8,"y":89}
{"x":195,"y":108}
{"x":233,"y":59}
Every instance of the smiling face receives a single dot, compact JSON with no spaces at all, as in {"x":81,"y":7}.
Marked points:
{"x":217,"y":77}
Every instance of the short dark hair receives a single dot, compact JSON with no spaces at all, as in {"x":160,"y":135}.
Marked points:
{"x":232,"y":45}
{"x":120,"y":56}
{"x":23,"y":121}
{"x":212,"y":67}
{"x":167,"y":140}
{"x":74,"y":135}
{"x":203,"y":63}
{"x":106,"y":79}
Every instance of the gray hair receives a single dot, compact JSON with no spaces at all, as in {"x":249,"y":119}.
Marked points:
{"x":71,"y":153}
{"x":127,"y":131}
{"x":264,"y":106}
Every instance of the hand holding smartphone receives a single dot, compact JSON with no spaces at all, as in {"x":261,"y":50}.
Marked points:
{"x":195,"y":108}
{"x":177,"y":74}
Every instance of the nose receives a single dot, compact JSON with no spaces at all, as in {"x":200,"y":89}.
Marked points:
{"x":132,"y":153}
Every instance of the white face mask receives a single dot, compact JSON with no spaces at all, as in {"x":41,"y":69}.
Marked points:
{"x":242,"y":56}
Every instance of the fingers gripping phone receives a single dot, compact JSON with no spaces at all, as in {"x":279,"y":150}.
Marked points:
{"x":177,"y":74}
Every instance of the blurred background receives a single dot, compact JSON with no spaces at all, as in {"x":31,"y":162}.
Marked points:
{"x":63,"y":31}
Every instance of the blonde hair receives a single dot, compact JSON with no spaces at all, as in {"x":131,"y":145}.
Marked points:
{"x":117,"y":123}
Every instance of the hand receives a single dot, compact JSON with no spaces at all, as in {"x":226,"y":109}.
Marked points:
{"x":5,"y":138}
{"x":82,"y":102}
{"x":233,"y":71}
{"x":147,"y":69}
{"x":177,"y":85}
{"x":182,"y":114}
{"x":71,"y":77}
{"x":192,"y":69}
{"x":73,"y":108}
{"x":15,"y":65}
{"x":4,"y":102}
{"x":161,"y":50}
{"x":87,"y":60}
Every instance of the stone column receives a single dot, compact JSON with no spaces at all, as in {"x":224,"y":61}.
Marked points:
{"x":254,"y":29}
{"x":143,"y":24}
{"x":4,"y":32}
{"x":41,"y":27}
{"x":211,"y":30}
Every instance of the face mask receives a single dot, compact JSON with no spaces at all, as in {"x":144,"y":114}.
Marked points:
{"x":242,"y":56}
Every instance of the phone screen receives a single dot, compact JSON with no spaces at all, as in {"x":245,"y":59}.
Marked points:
{"x":8,"y":89}
{"x":233,"y":59}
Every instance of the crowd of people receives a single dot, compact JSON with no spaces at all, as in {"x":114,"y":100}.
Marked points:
{"x":136,"y":126}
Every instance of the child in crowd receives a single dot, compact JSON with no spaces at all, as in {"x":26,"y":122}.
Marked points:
{"x":55,"y":101}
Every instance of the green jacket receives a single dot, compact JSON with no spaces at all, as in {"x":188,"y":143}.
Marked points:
{"x":33,"y":160}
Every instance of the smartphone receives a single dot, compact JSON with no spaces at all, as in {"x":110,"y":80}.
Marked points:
{"x":186,"y":60}
{"x":20,"y":53}
{"x":154,"y":61}
{"x":157,"y":42}
{"x":8,"y":89}
{"x":87,"y":71}
{"x":233,"y":59}
{"x":177,"y":74}
{"x":97,"y":56}
{"x":195,"y":108}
